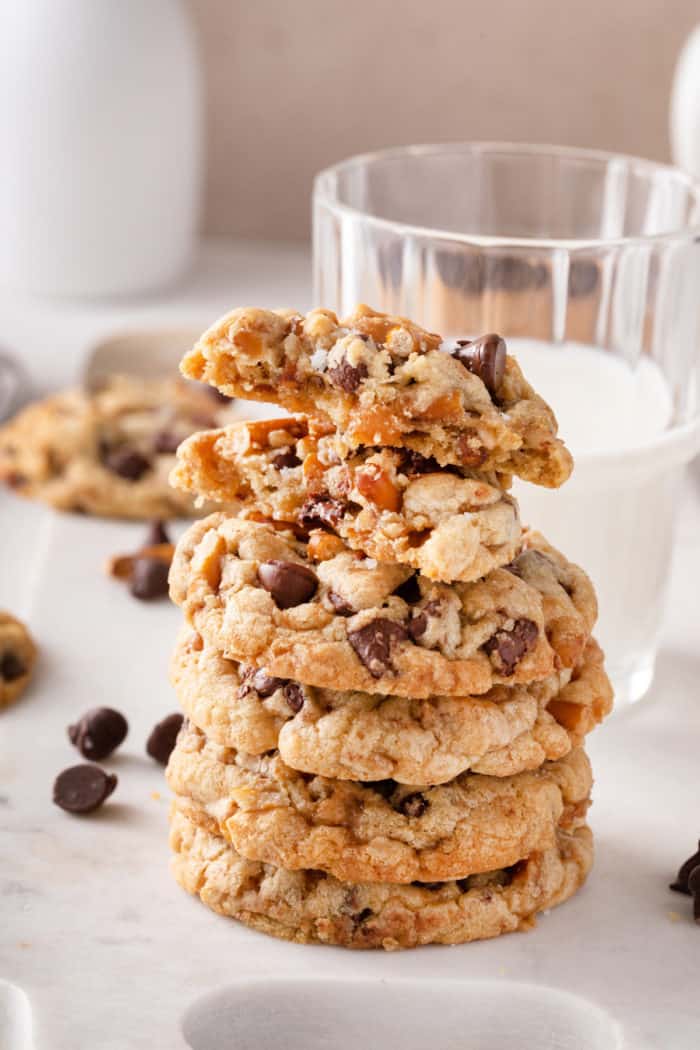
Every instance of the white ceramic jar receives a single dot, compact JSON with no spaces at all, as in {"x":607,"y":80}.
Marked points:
{"x":685,"y":107}
{"x":101,"y":145}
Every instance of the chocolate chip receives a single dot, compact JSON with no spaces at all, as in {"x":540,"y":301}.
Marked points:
{"x":485,"y":358}
{"x":470,"y":449}
{"x":11,"y":667}
{"x":416,"y":463}
{"x":373,"y":644}
{"x":15,"y":480}
{"x":694,"y":887}
{"x":81,"y":789}
{"x":287,"y":458}
{"x":163,"y":736}
{"x":149,"y":578}
{"x":288,"y":582}
{"x":419,"y":624}
{"x":258,"y":680}
{"x":681,"y":883}
{"x":507,"y":648}
{"x":321,"y":510}
{"x":156,"y":534}
{"x":413,"y":805}
{"x":340,"y":605}
{"x":126,"y":462}
{"x":166,"y":442}
{"x":99,"y":732}
{"x":346,"y":376}
{"x":409,"y":590}
{"x":294,"y":695}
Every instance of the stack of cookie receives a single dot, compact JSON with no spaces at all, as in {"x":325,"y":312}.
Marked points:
{"x":387,"y":681}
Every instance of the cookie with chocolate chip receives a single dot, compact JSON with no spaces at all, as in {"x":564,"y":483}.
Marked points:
{"x":326,"y":617}
{"x":385,"y":382}
{"x":309,"y":906}
{"x":366,"y":736}
{"x":378,"y":831}
{"x":17,"y":658}
{"x":107,"y":453}
{"x":394,"y":505}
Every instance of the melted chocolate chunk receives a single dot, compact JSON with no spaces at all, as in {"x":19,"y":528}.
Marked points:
{"x":288,"y":582}
{"x":163,"y":737}
{"x":83,"y":788}
{"x":374,"y":642}
{"x":11,"y":667}
{"x":156,"y":534}
{"x":348,"y":377}
{"x":285,"y":459}
{"x":321,"y":510}
{"x":507,"y":648}
{"x":340,"y":605}
{"x":99,"y":732}
{"x":485,"y":358}
{"x":149,"y":578}
{"x":256,"y":679}
{"x":294,"y":695}
{"x":126,"y":462}
{"x":419,"y":624}
{"x":694,"y":887}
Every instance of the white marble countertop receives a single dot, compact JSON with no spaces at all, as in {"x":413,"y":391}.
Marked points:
{"x":110,"y":953}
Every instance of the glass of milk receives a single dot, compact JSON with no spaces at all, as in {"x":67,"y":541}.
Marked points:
{"x":589,"y":265}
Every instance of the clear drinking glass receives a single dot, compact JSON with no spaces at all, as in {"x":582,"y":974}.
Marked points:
{"x":589,"y":264}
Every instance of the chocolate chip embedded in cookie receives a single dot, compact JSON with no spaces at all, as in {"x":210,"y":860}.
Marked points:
{"x":107,"y":453}
{"x":375,"y":626}
{"x":392,"y":504}
{"x":17,"y":658}
{"x":384,"y":381}
{"x":311,"y":907}
{"x":383,"y":831}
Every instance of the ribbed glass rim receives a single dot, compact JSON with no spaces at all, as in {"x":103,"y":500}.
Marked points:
{"x":325,"y":194}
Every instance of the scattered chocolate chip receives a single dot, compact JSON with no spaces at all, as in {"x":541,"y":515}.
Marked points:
{"x":485,"y":358}
{"x":11,"y":667}
{"x":681,"y":883}
{"x":373,"y":644}
{"x":294,"y":695}
{"x":694,"y":887}
{"x":340,"y":605}
{"x":409,"y":590}
{"x":507,"y":648}
{"x":156,"y":534}
{"x":149,"y":578}
{"x":287,"y":458}
{"x":126,"y":462}
{"x":166,"y":442}
{"x":288,"y":582}
{"x":413,"y":805}
{"x":419,"y":624}
{"x":348,"y":377}
{"x":99,"y":732}
{"x":81,"y":789}
{"x":321,"y":510}
{"x":163,"y":736}
{"x":256,"y":679}
{"x":471,"y":451}
{"x":416,"y":463}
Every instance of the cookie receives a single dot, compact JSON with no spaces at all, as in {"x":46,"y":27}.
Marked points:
{"x":17,"y":658}
{"x":380,"y":831}
{"x":261,"y":596}
{"x":363,"y":736}
{"x":311,"y":907}
{"x":383,"y":381}
{"x":393,"y":505}
{"x":109,"y":453}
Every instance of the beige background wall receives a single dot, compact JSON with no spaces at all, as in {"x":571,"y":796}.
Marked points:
{"x":294,"y":86}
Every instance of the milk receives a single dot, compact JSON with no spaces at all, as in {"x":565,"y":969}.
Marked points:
{"x":615,"y":515}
